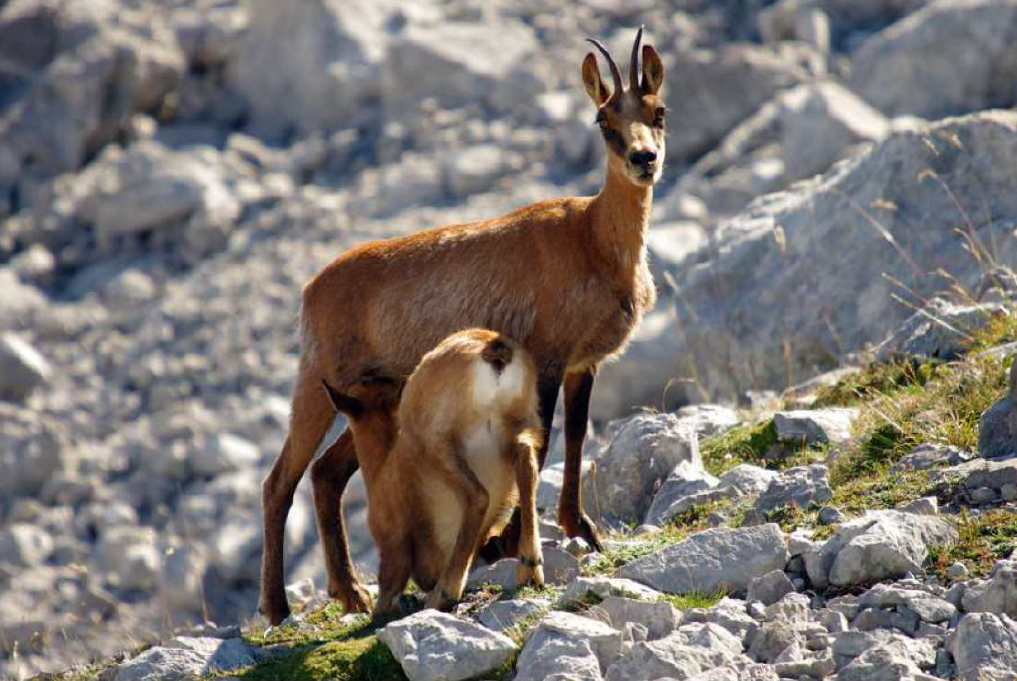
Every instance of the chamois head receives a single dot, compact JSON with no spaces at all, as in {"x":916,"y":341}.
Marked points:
{"x":632,"y":120}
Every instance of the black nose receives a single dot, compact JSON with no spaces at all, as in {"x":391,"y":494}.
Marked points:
{"x":642,"y":158}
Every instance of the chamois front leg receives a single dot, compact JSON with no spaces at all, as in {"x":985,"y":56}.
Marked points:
{"x":530,"y":569}
{"x":329,"y":476}
{"x":393,"y":574}
{"x":474,"y":499}
{"x":578,"y":387}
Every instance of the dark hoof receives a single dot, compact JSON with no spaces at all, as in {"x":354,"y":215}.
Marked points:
{"x":582,"y":527}
{"x":493,"y":550}
{"x":588,"y":531}
{"x":274,"y":613}
{"x":357,"y":599}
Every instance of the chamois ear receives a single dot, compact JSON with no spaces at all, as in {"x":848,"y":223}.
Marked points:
{"x":595,"y":87}
{"x":653,"y":70}
{"x":350,"y":406}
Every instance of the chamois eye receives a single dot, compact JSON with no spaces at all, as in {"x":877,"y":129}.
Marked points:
{"x":601,"y":120}
{"x":658,"y":116}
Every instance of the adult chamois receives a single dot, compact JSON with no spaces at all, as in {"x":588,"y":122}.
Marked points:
{"x":445,"y":468}
{"x":567,"y":278}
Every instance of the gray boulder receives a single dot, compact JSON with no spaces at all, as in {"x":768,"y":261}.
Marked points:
{"x":984,"y":647}
{"x":643,"y":452}
{"x":224,"y":453}
{"x":441,"y":61}
{"x":928,"y":606}
{"x":22,"y":368}
{"x":899,"y":658}
{"x":798,"y":487}
{"x":34,"y":452}
{"x":67,"y":111}
{"x":920,"y":65}
{"x":997,"y":594}
{"x":981,"y":478}
{"x":810,"y":244}
{"x":940,"y":330}
{"x":473,"y":170}
{"x":726,"y":559}
{"x":130,"y":557}
{"x":692,"y":649}
{"x":24,"y":546}
{"x":747,"y":479}
{"x":557,"y":657}
{"x":931,"y":455}
{"x":795,"y":21}
{"x":659,"y":617}
{"x":730,"y":613}
{"x":432,"y":645}
{"x":707,"y":419}
{"x":770,"y":588}
{"x":720,"y":88}
{"x":997,"y":427}
{"x":501,"y":573}
{"x":143,"y":197}
{"x":187,"y":658}
{"x":563,"y":629}
{"x":605,"y":587}
{"x":799,"y":133}
{"x":560,"y":566}
{"x":814,"y":426}
{"x":880,"y":545}
{"x":277,"y":81}
{"x":773,"y":639}
{"x":502,"y":615}
{"x":672,"y":498}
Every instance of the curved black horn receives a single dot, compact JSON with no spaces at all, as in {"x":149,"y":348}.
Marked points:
{"x":615,"y":73}
{"x":634,"y":63}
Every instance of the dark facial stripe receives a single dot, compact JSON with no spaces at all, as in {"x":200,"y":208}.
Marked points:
{"x":614,"y":141}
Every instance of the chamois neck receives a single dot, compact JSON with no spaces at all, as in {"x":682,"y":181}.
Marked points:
{"x":620,"y":215}
{"x":373,"y":450}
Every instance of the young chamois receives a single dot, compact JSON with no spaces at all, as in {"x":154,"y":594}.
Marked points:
{"x":445,"y":471}
{"x":567,"y":278}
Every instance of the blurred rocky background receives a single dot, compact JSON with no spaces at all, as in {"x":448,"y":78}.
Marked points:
{"x":171,"y":172}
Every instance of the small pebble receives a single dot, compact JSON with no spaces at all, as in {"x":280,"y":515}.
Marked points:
{"x":957,"y":571}
{"x":830,"y":515}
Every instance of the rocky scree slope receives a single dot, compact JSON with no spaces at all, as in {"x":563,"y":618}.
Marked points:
{"x":825,"y":540}
{"x":171,"y":173}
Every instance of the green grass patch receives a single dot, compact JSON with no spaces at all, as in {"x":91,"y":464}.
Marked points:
{"x":997,"y":331}
{"x":742,"y":444}
{"x":362,"y":657}
{"x":875,"y":379}
{"x":756,"y":444}
{"x":693,"y":600}
{"x":946,"y":409}
{"x":982,"y":540}
{"x":881,"y":488}
{"x":331,"y":648}
{"x":626,"y":549}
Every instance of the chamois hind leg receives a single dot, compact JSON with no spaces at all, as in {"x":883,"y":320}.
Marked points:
{"x":329,"y":475}
{"x":311,"y":417}
{"x":474,"y":499}
{"x":578,"y":387}
{"x":507,"y":544}
{"x":393,"y":574}
{"x":530,"y":568}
